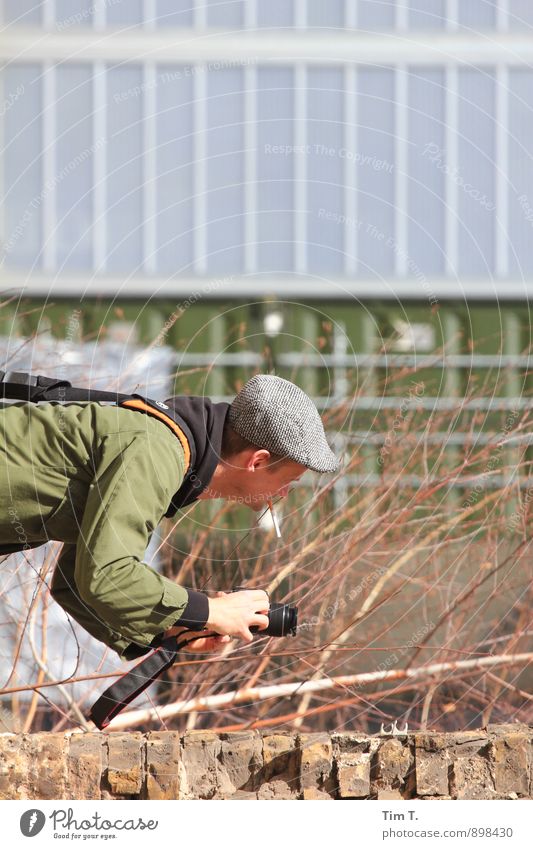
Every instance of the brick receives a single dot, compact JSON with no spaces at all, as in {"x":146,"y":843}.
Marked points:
{"x":13,"y":767}
{"x":502,"y":729}
{"x":389,"y":795}
{"x":353,"y":773}
{"x":279,"y":776}
{"x":316,"y":761}
{"x":433,"y":742}
{"x":394,"y":762}
{"x":464,"y":744}
{"x":84,"y":766}
{"x":200,"y":765}
{"x":312,"y":793}
{"x":277,"y":789}
{"x":348,"y":742}
{"x":242,"y":795}
{"x":432,"y":775}
{"x":163,"y":765}
{"x":432,"y":762}
{"x":47,"y":777}
{"x":471,"y":779}
{"x":239,"y":761}
{"x":124,"y":775}
{"x":530,"y":759}
{"x":508,"y":757}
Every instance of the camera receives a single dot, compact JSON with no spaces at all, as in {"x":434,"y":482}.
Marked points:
{"x":282,"y":622}
{"x":282,"y":619}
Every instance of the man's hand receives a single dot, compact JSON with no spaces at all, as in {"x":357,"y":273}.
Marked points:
{"x":206,"y":643}
{"x":233,"y":613}
{"x":203,"y":643}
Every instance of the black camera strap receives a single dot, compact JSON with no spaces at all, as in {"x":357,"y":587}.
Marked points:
{"x":130,"y":685}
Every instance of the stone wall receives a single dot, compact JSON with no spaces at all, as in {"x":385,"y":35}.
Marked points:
{"x":493,"y":763}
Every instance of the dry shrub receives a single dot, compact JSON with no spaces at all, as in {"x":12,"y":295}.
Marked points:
{"x":411,"y":556}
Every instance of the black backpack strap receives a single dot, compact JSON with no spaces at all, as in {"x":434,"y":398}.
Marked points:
{"x":23,"y":386}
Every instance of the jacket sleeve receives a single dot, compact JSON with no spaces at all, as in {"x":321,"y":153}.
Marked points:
{"x":64,"y":591}
{"x":131,"y":603}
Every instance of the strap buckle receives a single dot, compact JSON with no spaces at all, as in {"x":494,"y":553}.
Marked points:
{"x":20,"y":377}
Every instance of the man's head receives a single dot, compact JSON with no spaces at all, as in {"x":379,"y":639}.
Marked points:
{"x":272,"y":435}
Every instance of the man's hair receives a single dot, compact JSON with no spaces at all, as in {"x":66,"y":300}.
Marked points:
{"x":233,"y":443}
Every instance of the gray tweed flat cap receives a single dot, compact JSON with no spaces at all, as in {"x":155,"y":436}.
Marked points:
{"x":275,"y":414}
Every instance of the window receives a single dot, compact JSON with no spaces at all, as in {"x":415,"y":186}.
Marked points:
{"x":258,"y":162}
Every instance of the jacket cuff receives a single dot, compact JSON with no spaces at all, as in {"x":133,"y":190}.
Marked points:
{"x":196,"y":611}
{"x":194,"y":617}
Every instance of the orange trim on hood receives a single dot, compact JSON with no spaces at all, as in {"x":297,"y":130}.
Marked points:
{"x":137,"y":404}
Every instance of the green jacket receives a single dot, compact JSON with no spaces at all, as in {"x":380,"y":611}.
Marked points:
{"x":98,"y":478}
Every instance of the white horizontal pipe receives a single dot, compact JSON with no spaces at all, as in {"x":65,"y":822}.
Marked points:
{"x":186,"y":45}
{"x":439,"y":438}
{"x":468,"y":361}
{"x":429,"y":402}
{"x":405,"y":481}
{"x":302,"y":287}
{"x":295,"y":359}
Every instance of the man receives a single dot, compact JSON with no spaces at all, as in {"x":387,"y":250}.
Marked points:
{"x":100,"y":478}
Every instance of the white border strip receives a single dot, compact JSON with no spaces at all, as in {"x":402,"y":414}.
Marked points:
{"x":401,"y":171}
{"x":49,"y":16}
{"x":200,"y":17}
{"x":149,"y":186}
{"x":99,"y":169}
{"x":501,"y":171}
{"x":99,"y":15}
{"x":300,"y":169}
{"x":200,"y":171}
{"x":49,"y":193}
{"x":351,"y":240}
{"x":502,"y":15}
{"x":149,"y":13}
{"x":250,"y":170}
{"x":451,"y":189}
{"x":452,"y":16}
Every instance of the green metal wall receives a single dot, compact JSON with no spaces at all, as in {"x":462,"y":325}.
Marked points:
{"x":318,"y":330}
{"x":217,"y":327}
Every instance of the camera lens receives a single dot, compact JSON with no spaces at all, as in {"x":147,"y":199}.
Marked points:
{"x":282,"y":621}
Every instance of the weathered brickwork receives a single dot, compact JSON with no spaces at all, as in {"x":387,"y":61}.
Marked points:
{"x":492,"y":763}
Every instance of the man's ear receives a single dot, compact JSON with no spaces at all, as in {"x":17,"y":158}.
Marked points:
{"x":259,"y":459}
